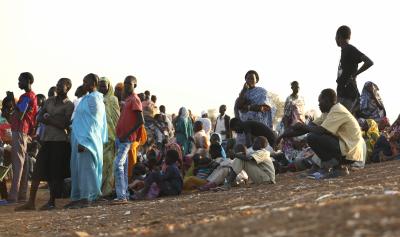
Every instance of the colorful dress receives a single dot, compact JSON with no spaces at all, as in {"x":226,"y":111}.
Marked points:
{"x":184,"y":130}
{"x":109,"y":150}
{"x":258,"y":96}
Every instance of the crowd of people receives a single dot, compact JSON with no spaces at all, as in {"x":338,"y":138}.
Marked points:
{"x":112,"y":144}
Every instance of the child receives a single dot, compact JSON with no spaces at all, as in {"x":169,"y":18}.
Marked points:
{"x":258,"y":165}
{"x":202,"y":168}
{"x":169,"y":180}
{"x":218,"y":176}
{"x":216,"y":147}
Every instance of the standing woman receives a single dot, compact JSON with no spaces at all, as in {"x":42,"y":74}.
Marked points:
{"x":89,"y":133}
{"x":112,"y":112}
{"x":253,"y":102}
{"x":184,"y":130}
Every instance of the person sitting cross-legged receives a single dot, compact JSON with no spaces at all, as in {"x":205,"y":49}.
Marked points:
{"x":258,"y":165}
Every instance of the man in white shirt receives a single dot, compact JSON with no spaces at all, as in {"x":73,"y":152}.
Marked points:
{"x":222,"y":124}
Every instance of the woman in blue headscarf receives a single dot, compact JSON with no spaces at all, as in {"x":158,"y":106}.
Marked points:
{"x":371,"y":104}
{"x":89,"y":133}
{"x":254,"y":102}
{"x":184,"y":130}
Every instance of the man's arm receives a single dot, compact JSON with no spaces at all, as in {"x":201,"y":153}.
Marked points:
{"x":367,"y":63}
{"x":300,"y":129}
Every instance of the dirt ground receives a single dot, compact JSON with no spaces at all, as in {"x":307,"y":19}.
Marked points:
{"x":366,"y":203}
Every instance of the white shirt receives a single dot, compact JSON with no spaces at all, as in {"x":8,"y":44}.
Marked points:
{"x":220,"y":126}
{"x":206,"y":124}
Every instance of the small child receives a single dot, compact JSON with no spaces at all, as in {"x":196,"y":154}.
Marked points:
{"x":216,"y":147}
{"x":258,"y":164}
{"x":169,"y":180}
{"x":218,"y":176}
{"x":201,"y":170}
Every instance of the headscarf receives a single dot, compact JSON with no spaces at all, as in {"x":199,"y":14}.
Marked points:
{"x":183,"y":113}
{"x":367,"y":97}
{"x":112,"y":109}
{"x":120,"y":87}
{"x":373,"y":130}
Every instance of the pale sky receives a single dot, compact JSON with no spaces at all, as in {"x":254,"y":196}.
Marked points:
{"x":196,"y":53}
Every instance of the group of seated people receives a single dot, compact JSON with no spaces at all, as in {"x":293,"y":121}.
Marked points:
{"x":186,"y":154}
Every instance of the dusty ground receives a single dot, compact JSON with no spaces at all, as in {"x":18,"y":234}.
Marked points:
{"x":366,"y":203}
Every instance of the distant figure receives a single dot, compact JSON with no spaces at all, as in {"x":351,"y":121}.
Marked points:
{"x":52,"y":92}
{"x":146,"y":95}
{"x":184,"y":130}
{"x":293,"y":113}
{"x":40,"y":126}
{"x":40,"y":100}
{"x":149,"y":107}
{"x":253,"y":102}
{"x":206,"y":122}
{"x":168,"y":121}
{"x":119,"y":92}
{"x":294,"y":107}
{"x":371,"y":104}
{"x":222,"y":124}
{"x":347,"y":91}
{"x":141,"y":96}
{"x":154,"y":100}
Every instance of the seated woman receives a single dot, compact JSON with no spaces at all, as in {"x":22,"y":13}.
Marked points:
{"x":370,"y":133}
{"x":168,"y":180}
{"x":387,"y":147}
{"x":201,"y":140}
{"x":254,"y":102}
{"x":202,"y":168}
{"x":371,"y":104}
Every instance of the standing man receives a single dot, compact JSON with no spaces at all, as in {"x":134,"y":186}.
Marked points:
{"x":128,"y":124}
{"x":169,"y":123}
{"x":23,"y":121}
{"x":53,"y":160}
{"x":222,"y":124}
{"x":347,"y":91}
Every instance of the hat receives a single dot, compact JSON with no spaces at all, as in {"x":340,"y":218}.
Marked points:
{"x":203,"y":112}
